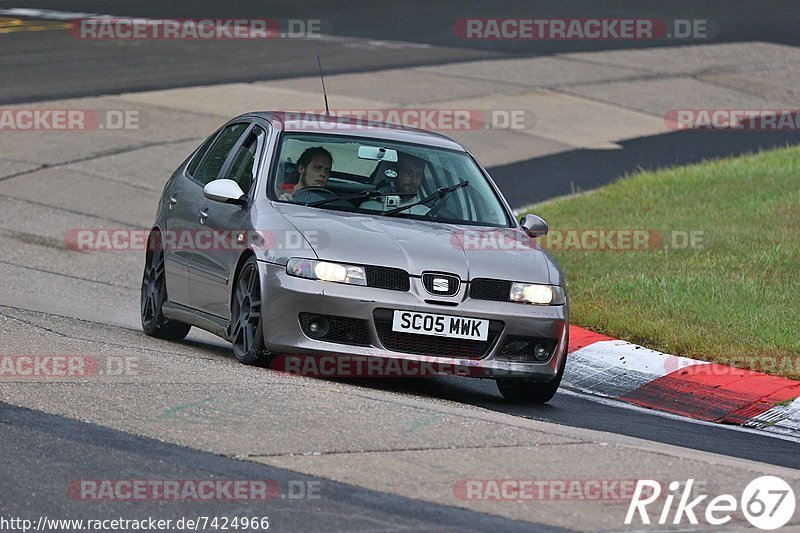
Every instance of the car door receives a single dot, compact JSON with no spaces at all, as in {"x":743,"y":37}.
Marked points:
{"x":188,"y":200}
{"x":181,"y":205}
{"x":210,"y":283}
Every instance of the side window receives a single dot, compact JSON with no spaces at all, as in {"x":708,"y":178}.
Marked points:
{"x":212,"y":163}
{"x":192,"y":168}
{"x":245,"y":162}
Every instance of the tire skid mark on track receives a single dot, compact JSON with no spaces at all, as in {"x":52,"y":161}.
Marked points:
{"x":70,"y":211}
{"x":61,"y":274}
{"x":84,"y":339}
{"x":34,"y":239}
{"x":117,"y":181}
{"x":403,"y":450}
{"x":100,"y":155}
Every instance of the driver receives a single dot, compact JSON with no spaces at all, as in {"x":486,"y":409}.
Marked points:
{"x":314,"y":168}
{"x":409,"y":170}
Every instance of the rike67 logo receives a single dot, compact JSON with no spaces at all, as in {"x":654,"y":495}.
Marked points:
{"x":767,"y":503}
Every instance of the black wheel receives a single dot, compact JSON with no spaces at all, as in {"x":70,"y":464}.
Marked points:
{"x":154,"y":294}
{"x":246,"y":332}
{"x":523,"y":390}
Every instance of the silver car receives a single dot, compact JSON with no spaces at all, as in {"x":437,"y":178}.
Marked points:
{"x":318,"y":236}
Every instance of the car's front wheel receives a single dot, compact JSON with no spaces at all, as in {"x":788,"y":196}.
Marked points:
{"x":246,"y":331}
{"x":154,"y":294}
{"x":523,"y":390}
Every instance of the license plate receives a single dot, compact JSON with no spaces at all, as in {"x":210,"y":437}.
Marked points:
{"x":441,"y":325}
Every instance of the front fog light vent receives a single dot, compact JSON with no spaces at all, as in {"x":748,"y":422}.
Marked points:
{"x":520,"y":349}
{"x":338,"y":329}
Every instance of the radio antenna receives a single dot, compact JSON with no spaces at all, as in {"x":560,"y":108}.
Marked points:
{"x":325,"y":94}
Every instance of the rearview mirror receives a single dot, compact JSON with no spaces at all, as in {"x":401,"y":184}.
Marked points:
{"x":534,"y":226}
{"x":225,"y":191}
{"x":377,"y":154}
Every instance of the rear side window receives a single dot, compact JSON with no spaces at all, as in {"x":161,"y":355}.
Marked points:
{"x":211,"y":165}
{"x":192,"y":168}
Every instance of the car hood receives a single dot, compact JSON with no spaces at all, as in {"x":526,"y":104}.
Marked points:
{"x":417,"y":246}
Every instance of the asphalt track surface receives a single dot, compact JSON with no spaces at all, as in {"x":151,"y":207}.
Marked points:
{"x":27,"y":437}
{"x":372,"y":35}
{"x":364,"y":36}
{"x":584,"y":170}
{"x":578,"y":410}
{"x":47,"y":65}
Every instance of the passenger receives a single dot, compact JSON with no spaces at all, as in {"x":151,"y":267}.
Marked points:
{"x":410,"y":170}
{"x":314,"y":169}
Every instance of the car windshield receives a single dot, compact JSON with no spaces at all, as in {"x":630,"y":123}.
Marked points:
{"x":384,"y":178}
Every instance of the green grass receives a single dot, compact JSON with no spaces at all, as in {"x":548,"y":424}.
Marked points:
{"x":735,"y":300}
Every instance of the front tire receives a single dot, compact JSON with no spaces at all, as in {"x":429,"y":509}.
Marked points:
{"x":528,"y":391}
{"x":154,"y":294}
{"x":246,"y":331}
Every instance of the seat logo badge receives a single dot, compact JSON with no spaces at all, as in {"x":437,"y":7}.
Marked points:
{"x":441,"y":285}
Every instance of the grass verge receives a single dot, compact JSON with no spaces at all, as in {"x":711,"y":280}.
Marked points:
{"x":716,"y":275}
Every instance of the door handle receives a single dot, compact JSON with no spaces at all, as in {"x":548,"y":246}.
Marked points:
{"x":203,"y":216}
{"x":172,"y":201}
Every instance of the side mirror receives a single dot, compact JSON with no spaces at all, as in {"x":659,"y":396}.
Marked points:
{"x":534,"y":226}
{"x":225,"y":191}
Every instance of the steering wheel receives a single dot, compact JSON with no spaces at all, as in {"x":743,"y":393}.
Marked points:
{"x":312,"y":194}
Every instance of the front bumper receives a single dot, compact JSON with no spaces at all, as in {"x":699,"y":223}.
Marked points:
{"x":285,"y":297}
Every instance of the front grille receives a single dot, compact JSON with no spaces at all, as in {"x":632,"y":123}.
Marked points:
{"x":430,"y":345}
{"x":395,"y":279}
{"x":341,"y":330}
{"x":490,"y":289}
{"x":519,"y":349}
{"x":432,"y":281}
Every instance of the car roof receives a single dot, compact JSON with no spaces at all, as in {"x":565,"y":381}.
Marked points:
{"x":352,"y":127}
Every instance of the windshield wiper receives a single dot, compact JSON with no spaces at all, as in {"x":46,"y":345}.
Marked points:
{"x":363,"y":194}
{"x":374,"y":193}
{"x":440,"y":193}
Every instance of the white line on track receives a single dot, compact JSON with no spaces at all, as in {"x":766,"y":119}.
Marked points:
{"x":47,"y":14}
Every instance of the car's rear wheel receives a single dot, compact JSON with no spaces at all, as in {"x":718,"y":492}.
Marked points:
{"x":523,"y":390}
{"x":246,"y":331}
{"x":154,"y":294}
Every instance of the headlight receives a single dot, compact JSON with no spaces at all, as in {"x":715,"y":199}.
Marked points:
{"x":533,"y":293}
{"x":326,"y":271}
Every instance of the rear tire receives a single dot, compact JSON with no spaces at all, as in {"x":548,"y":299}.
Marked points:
{"x":245,"y":331}
{"x":154,"y":294}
